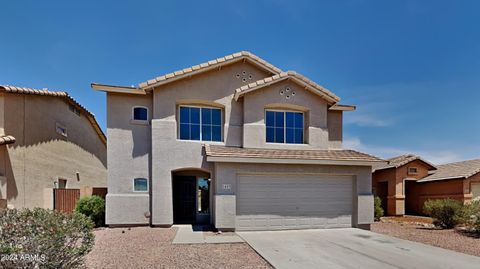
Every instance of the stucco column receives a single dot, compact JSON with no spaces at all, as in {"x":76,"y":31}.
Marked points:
{"x":161,"y":183}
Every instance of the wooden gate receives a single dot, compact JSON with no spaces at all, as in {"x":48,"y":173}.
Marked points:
{"x":64,"y":200}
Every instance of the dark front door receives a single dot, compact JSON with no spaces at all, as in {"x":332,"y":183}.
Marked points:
{"x":184,"y":199}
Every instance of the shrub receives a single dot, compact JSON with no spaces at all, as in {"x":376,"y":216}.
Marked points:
{"x":378,"y":208}
{"x":446,"y":213}
{"x":92,"y":207}
{"x":33,"y":238}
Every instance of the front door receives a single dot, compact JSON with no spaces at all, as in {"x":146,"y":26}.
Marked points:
{"x":184,"y":199}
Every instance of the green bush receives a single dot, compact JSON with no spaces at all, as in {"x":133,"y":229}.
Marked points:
{"x":378,"y":208}
{"x":471,"y":215}
{"x":92,"y":207}
{"x":41,"y":238}
{"x":446,"y":213}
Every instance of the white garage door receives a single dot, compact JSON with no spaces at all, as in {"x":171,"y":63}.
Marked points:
{"x":476,"y":190}
{"x":279,"y":202}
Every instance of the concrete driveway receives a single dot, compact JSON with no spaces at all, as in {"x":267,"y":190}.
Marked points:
{"x":351,"y":248}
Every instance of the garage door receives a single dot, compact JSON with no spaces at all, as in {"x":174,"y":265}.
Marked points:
{"x":279,"y":202}
{"x":476,"y":190}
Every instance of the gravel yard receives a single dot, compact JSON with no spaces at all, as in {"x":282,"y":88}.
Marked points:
{"x":421,"y":232}
{"x":144,"y":247}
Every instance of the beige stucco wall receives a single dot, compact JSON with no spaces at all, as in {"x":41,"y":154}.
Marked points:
{"x":313,"y":106}
{"x":129,"y":147}
{"x":40,"y":156}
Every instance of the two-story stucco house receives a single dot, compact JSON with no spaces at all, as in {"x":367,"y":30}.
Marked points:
{"x":237,"y":143}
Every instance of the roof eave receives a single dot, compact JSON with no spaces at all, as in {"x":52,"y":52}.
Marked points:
{"x":340,"y":107}
{"x":289,"y":161}
{"x":117,"y":89}
{"x":290,"y":75}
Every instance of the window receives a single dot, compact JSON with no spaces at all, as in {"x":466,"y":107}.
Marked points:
{"x":412,"y":170}
{"x":61,"y":129}
{"x":140,"y":184}
{"x":203,"y":196}
{"x":284,"y":127}
{"x":62,"y":184}
{"x":140,"y":113}
{"x":200,"y":123}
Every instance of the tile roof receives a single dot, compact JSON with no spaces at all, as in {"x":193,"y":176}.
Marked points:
{"x":401,"y":160}
{"x":335,"y":155}
{"x":7,"y":139}
{"x":456,"y":170}
{"x":283,"y":76}
{"x":61,"y":94}
{"x":207,"y":66}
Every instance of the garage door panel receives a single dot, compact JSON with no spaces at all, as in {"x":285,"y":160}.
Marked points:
{"x":277,"y":202}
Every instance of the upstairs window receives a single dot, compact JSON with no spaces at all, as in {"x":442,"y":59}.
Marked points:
{"x":140,"y":113}
{"x":412,"y":170}
{"x":284,"y":127}
{"x":200,"y":123}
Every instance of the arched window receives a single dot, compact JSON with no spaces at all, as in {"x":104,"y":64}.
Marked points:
{"x":140,"y":113}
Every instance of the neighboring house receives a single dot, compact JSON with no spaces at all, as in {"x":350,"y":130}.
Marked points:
{"x":237,"y":143}
{"x":48,"y":141}
{"x":407,"y":181}
{"x":389,"y":180}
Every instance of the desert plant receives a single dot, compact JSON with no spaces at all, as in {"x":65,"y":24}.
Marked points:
{"x":42,"y":238}
{"x":378,"y":208}
{"x":92,"y":207}
{"x":446,"y":213}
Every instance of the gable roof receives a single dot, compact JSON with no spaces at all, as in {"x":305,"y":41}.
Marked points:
{"x":457,"y":170}
{"x":61,"y":94}
{"x":289,"y":75}
{"x":236,"y":154}
{"x":401,"y":160}
{"x":216,"y":63}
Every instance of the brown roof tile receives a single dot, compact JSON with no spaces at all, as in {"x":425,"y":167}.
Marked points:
{"x":62,"y":94}
{"x":456,"y":170}
{"x":335,"y":155}
{"x":401,"y":160}
{"x":7,"y":139}
{"x":330,"y":96}
{"x":207,"y":65}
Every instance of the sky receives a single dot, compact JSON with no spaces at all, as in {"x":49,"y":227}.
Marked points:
{"x":412,"y":68}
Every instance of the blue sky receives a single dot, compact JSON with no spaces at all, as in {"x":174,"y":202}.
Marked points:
{"x":411,"y":67}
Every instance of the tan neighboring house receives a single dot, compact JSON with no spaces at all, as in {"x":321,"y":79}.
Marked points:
{"x":47,"y":141}
{"x":237,"y":143}
{"x":405,"y":182}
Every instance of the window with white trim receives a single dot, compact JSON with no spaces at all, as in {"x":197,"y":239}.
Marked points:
{"x":200,"y":123}
{"x":140,"y":113}
{"x":140,"y":184}
{"x":284,"y":127}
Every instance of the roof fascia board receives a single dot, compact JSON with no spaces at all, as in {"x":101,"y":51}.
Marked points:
{"x":117,"y":89}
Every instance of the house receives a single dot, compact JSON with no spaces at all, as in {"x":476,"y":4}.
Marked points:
{"x":47,"y":141}
{"x":235,"y":142}
{"x":389,"y":180}
{"x":405,"y":182}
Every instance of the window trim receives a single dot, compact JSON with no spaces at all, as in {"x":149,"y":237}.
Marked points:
{"x":201,"y":137}
{"x":133,"y":114}
{"x":133,"y":185}
{"x":61,"y":126}
{"x":284,"y":126}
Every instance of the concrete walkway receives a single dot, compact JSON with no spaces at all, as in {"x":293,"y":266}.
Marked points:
{"x":186,"y":235}
{"x":351,"y":248}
